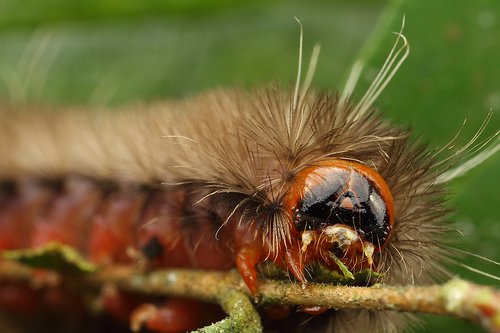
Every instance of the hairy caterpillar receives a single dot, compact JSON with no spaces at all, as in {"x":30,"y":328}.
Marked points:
{"x":254,"y":175}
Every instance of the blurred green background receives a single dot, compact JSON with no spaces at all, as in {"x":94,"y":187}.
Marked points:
{"x":118,"y":52}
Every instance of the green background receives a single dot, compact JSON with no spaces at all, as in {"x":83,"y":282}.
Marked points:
{"x":118,"y":52}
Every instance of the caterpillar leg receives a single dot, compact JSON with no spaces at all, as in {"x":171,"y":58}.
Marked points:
{"x":313,"y":310}
{"x":249,"y":256}
{"x":246,"y":260}
{"x":118,"y":304}
{"x":174,"y":315}
{"x":293,"y":262}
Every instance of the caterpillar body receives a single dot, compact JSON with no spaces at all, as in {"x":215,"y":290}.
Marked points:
{"x":226,"y":179}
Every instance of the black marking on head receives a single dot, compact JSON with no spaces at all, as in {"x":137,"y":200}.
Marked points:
{"x":345,"y":197}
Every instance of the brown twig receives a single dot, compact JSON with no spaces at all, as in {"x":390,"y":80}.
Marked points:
{"x":458,"y":298}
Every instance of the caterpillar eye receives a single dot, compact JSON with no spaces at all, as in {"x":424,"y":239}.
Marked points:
{"x":341,"y":192}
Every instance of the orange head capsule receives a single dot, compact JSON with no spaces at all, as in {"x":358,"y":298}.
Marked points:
{"x":343,"y":206}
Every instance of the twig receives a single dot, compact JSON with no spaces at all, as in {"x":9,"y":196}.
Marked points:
{"x":242,"y":315}
{"x":458,"y":298}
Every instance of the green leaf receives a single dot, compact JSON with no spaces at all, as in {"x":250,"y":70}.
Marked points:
{"x":54,"y":256}
{"x":345,"y":270}
{"x":323,"y":274}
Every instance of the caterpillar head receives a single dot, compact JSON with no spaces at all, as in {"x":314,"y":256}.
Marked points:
{"x":341,"y":208}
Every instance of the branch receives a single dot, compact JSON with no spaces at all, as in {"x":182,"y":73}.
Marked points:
{"x":457,"y":298}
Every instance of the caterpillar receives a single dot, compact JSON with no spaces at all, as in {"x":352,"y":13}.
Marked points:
{"x":228,"y":179}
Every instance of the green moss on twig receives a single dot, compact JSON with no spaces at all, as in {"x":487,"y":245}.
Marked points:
{"x":54,"y":256}
{"x":242,"y":316}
